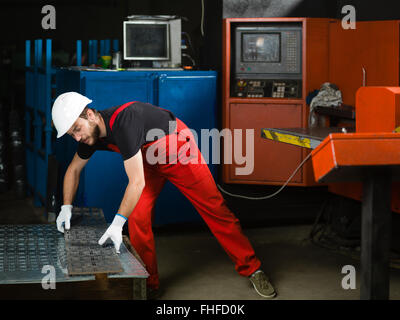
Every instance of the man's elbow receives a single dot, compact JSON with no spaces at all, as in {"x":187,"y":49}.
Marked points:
{"x":139,"y":185}
{"x":142,"y":184}
{"x":73,"y":171}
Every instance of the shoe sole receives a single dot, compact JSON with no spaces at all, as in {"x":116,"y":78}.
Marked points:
{"x":262,"y":295}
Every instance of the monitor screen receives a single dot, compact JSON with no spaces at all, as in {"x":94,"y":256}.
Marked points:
{"x":261,"y":47}
{"x":146,"y":41}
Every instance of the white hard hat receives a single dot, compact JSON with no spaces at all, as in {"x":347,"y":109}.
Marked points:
{"x":66,"y":109}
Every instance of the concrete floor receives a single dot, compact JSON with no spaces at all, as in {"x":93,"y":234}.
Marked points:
{"x":193,"y":266}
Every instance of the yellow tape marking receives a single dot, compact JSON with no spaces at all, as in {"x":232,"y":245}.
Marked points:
{"x":287,"y":138}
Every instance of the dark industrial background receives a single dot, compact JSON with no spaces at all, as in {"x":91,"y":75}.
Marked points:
{"x":20,"y":20}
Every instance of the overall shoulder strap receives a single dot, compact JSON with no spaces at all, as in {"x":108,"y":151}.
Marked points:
{"x":116,"y":112}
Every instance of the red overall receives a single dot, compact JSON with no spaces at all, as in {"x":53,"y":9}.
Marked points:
{"x":195,"y":181}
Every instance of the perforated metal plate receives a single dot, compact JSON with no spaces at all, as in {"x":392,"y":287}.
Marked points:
{"x":84,"y":254}
{"x":87,"y":217}
{"x":27,"y":247}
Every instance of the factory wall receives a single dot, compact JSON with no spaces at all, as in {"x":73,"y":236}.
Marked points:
{"x":278,"y":8}
{"x":371,"y":10}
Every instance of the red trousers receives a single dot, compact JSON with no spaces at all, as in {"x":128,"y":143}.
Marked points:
{"x":195,"y":181}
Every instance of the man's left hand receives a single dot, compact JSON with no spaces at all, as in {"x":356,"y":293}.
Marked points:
{"x":114,"y":232}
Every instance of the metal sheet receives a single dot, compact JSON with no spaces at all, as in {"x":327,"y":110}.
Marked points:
{"x":84,"y":254}
{"x":87,"y":217}
{"x":26,"y":249}
{"x":303,"y":137}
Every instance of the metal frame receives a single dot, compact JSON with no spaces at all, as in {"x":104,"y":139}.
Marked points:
{"x":376,"y":235}
{"x":38,"y":128}
{"x":105,"y":49}
{"x":39,"y":87}
{"x":26,"y":249}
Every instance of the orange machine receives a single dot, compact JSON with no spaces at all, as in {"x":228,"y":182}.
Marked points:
{"x":375,"y":141}
{"x":377,"y":111}
{"x":345,"y":157}
{"x":359,"y":165}
{"x":371,"y":156}
{"x":367,"y":55}
{"x":364,"y":165}
{"x":273,"y":163}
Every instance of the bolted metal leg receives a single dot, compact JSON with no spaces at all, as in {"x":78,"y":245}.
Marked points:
{"x":376,"y":235}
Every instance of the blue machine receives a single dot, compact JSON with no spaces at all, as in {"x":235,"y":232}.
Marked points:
{"x":38,"y":131}
{"x":190,"y":95}
{"x":39,"y":89}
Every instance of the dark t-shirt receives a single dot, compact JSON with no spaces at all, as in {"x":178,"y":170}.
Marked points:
{"x":130,"y":128}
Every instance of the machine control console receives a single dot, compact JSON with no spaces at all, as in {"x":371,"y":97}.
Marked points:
{"x":266,"y":88}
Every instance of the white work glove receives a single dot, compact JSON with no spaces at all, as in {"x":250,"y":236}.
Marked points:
{"x":114,"y":232}
{"x":64,"y":217}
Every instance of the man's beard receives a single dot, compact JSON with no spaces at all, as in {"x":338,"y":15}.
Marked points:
{"x":95,"y":134}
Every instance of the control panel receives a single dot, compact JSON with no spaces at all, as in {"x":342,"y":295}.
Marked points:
{"x":266,"y":88}
{"x":292,"y":49}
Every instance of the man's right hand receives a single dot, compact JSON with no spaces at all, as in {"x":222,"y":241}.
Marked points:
{"x":64,"y":217}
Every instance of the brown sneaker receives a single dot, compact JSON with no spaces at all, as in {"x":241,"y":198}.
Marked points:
{"x":262,"y":285}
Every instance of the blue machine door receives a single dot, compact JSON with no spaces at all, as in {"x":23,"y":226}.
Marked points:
{"x":108,"y":89}
{"x":192,"y":98}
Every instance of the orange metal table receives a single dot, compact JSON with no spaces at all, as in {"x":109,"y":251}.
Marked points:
{"x":374,"y":159}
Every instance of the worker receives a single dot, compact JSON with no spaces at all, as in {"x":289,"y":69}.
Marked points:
{"x":125,"y":129}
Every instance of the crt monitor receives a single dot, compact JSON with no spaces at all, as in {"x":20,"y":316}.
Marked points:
{"x":262,"y":47}
{"x":268,"y":50}
{"x":146,"y":40}
{"x":153,"y":40}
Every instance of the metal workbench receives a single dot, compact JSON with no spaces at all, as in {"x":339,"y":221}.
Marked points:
{"x":28,"y":251}
{"x":363,"y":157}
